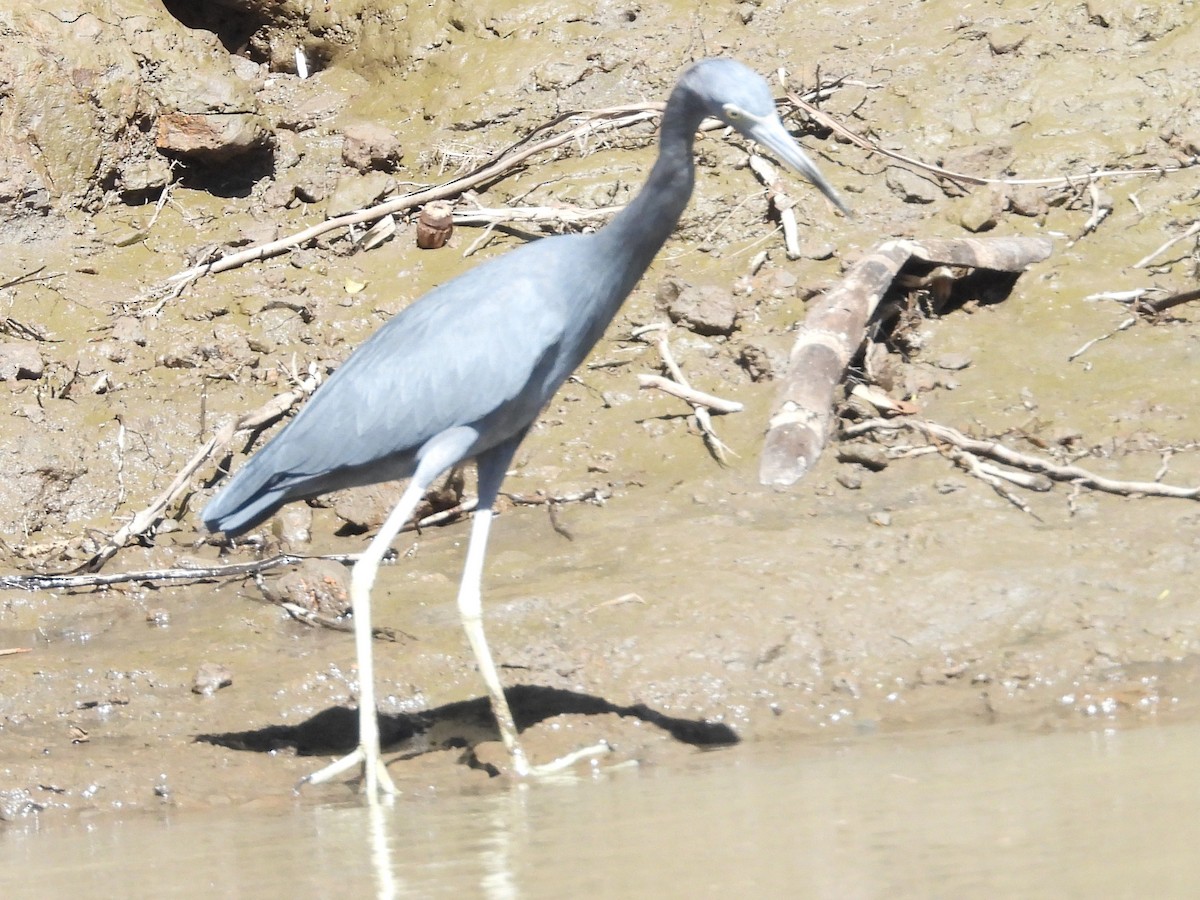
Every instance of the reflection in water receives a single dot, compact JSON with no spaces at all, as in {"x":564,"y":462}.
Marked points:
{"x":381,"y":851}
{"x":983,"y":813}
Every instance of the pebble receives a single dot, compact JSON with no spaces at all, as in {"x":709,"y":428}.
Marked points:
{"x":20,"y":361}
{"x":210,"y":678}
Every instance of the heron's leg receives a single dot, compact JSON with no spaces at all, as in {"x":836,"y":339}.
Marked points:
{"x":362,"y":579}
{"x":437,"y":455}
{"x":492,"y":466}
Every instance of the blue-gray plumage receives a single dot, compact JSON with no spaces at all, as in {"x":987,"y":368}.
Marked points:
{"x":463,"y":372}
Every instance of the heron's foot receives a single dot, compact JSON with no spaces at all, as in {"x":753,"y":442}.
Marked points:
{"x":524,"y":769}
{"x":375,"y":774}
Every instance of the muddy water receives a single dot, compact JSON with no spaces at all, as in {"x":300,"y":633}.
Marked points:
{"x":995,"y":813}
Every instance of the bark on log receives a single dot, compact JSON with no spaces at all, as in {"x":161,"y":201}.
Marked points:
{"x":835,"y":327}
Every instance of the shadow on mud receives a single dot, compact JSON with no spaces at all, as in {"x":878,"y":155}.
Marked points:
{"x":457,"y":725}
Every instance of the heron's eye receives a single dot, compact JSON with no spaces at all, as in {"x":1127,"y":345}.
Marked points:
{"x":732,"y":113}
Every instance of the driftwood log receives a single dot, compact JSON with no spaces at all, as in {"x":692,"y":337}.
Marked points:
{"x":834,"y":329}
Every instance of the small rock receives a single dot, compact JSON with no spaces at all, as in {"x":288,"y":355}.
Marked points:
{"x":1027,"y":200}
{"x":1007,"y":39}
{"x":317,"y":109}
{"x":920,"y":379}
{"x":366,"y":145}
{"x":247,"y":70}
{"x":20,"y":361}
{"x":911,"y":187}
{"x":704,"y":309}
{"x":142,"y":176}
{"x":129,"y":330}
{"x":210,"y":678}
{"x":557,"y":75}
{"x":232,"y":347}
{"x":760,"y":362}
{"x":259,"y":232}
{"x":293,"y":525}
{"x":817,"y":249}
{"x":987,"y":159}
{"x":977,"y":212}
{"x":354,"y":192}
{"x":279,"y":195}
{"x":318,"y":585}
{"x":363,"y":509}
{"x":868,"y":456}
{"x":850,"y":480}
{"x":211,"y":138}
{"x":953,"y":362}
{"x":882,"y":518}
{"x":782,"y":282}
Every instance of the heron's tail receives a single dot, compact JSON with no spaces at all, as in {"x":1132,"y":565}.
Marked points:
{"x":248,"y":499}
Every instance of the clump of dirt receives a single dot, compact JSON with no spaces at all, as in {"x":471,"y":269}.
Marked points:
{"x":678,"y":604}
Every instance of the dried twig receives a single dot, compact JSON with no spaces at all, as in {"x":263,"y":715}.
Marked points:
{"x":690,"y":394}
{"x":593,"y":123}
{"x":559,"y":217}
{"x":1128,"y":323}
{"x":29,"y":277}
{"x":1149,"y":257}
{"x":781,"y":202}
{"x":1101,"y":207}
{"x":990,"y":475}
{"x":678,"y":386}
{"x":78,"y":580}
{"x":994,"y":450}
{"x":215,"y":446}
{"x":1060,"y":181}
{"x":1157,"y":306}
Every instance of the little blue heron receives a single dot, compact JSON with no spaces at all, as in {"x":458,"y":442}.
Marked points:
{"x":463,"y":372}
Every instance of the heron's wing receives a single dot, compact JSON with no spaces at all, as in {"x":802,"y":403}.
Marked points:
{"x":479,"y":345}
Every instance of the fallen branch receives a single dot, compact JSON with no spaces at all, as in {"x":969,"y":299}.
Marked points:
{"x":943,"y":436}
{"x":78,"y":580}
{"x":835,"y":327}
{"x":1140,"y":303}
{"x":84,"y":579}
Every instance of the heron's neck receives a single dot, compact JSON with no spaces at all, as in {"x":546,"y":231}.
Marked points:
{"x":638,"y":232}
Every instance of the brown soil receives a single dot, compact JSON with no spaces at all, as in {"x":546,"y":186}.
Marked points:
{"x":693,"y":606}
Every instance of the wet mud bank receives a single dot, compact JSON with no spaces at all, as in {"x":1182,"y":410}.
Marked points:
{"x":666,"y":602}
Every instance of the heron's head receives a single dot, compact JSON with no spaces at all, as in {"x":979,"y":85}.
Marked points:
{"x":741,"y":99}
